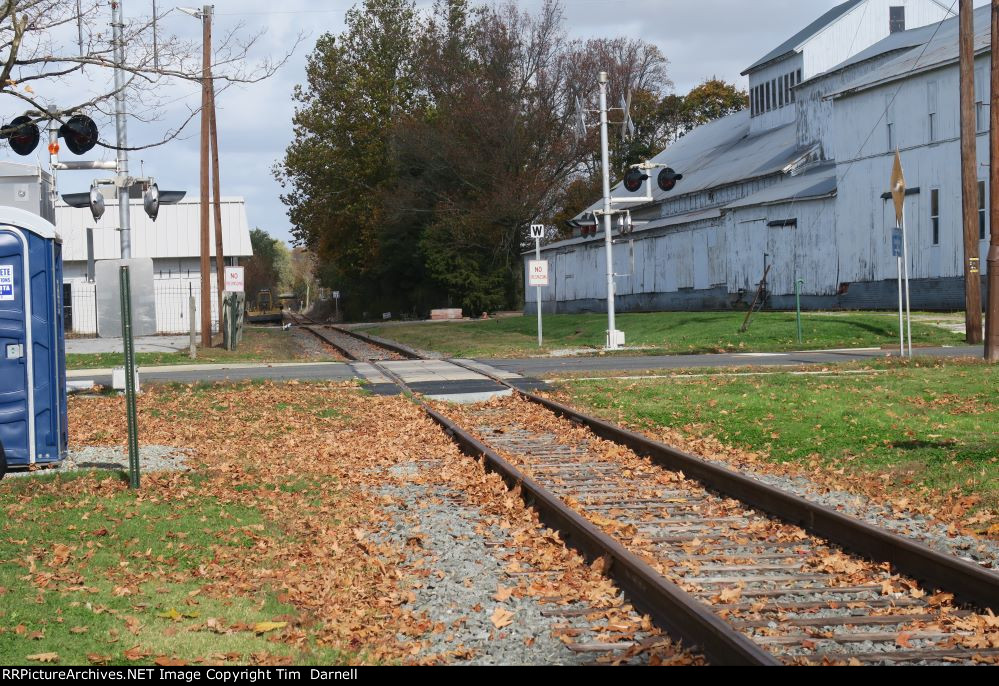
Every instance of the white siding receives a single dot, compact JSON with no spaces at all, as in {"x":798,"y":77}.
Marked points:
{"x":861,"y":28}
{"x":175,"y":234}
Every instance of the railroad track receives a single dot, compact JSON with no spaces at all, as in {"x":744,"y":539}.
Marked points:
{"x":746,"y":573}
{"x":352,"y":346}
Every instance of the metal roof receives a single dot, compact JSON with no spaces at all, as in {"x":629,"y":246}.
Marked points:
{"x":18,"y":169}
{"x":926,"y":54}
{"x":794,"y":42}
{"x":175,"y":234}
{"x":817,"y":183}
{"x":719,"y":153}
{"x":674,"y":220}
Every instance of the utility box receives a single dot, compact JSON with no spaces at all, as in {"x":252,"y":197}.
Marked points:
{"x":33,"y":406}
{"x":27,"y":187}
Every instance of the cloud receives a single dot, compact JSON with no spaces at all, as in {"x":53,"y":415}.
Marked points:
{"x":701,"y":39}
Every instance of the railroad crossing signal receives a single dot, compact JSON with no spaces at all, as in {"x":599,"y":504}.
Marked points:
{"x":667,"y":179}
{"x":22,"y":134}
{"x":80,"y":133}
{"x":634,"y":179}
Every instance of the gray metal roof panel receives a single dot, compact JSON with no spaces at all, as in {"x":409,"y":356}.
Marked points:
{"x":716,"y":154}
{"x":818,"y":183}
{"x":792,"y":43}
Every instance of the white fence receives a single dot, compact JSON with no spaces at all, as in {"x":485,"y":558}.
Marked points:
{"x":172,"y":308}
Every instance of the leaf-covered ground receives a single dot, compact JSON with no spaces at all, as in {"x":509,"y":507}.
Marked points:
{"x":270,"y":551}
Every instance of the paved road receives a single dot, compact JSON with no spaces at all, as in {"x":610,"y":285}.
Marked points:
{"x":614,"y":363}
{"x":534,"y":367}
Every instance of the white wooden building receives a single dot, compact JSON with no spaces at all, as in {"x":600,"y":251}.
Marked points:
{"x":173,"y":242}
{"x":796,"y":181}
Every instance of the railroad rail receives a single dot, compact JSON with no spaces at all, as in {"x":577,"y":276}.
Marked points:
{"x":349,"y":344}
{"x":745,"y":572}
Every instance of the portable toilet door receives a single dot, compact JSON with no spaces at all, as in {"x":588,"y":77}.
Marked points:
{"x":32,"y":342}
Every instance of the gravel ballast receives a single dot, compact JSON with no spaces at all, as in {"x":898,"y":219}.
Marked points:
{"x":472,"y":561}
{"x":152,"y":458}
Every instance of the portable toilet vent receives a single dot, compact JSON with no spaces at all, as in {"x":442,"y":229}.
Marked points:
{"x":32,"y":342}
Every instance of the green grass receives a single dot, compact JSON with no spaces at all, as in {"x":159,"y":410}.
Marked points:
{"x":131,"y":563}
{"x":935,"y":424}
{"x":259,"y":345}
{"x":663,"y":333}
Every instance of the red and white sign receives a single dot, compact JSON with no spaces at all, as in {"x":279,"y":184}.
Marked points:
{"x":537,"y":273}
{"x":234,"y":280}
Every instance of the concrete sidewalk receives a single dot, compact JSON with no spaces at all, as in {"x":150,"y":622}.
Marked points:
{"x":187,"y":368}
{"x":143,"y":344}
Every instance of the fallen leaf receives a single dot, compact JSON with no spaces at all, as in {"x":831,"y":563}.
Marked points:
{"x":44,"y":657}
{"x":501,"y":617}
{"x":136,"y":653}
{"x":265,"y":627}
{"x":502,"y":594}
{"x":169,"y":662}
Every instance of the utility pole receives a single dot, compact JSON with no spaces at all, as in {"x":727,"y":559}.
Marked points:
{"x":216,"y":193}
{"x":969,"y":178}
{"x":612,"y":340}
{"x":992,"y":318}
{"x":118,"y":26}
{"x":206,"y":101}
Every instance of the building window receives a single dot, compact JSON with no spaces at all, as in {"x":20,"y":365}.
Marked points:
{"x":780,"y":93}
{"x":981,"y":210}
{"x":933,"y":126}
{"x":891,"y":136}
{"x":935,"y":215}
{"x":768,"y":96}
{"x":896,"y":19}
{"x":787,"y":88}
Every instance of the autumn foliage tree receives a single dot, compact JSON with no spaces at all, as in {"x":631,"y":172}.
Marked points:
{"x":425,"y":147}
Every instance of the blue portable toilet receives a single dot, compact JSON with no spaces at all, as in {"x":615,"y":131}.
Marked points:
{"x":33,"y":408}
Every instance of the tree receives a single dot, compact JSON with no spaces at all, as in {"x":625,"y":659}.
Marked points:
{"x":491,"y":151}
{"x":57,"y":59}
{"x":301,"y":279}
{"x":269,"y":266}
{"x":424,"y":149}
{"x":706,"y":102}
{"x":340,"y":166}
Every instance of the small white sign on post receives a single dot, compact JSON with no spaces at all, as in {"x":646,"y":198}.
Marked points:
{"x":537,"y":273}
{"x":234,"y":282}
{"x":537,"y":231}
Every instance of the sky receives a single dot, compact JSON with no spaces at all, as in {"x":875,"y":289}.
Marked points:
{"x":701,"y":39}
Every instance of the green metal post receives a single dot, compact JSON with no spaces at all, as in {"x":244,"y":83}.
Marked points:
{"x":797,"y":304}
{"x":233,"y":312}
{"x":129,"y":346}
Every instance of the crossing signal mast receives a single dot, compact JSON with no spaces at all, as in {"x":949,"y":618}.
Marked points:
{"x":634,"y":180}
